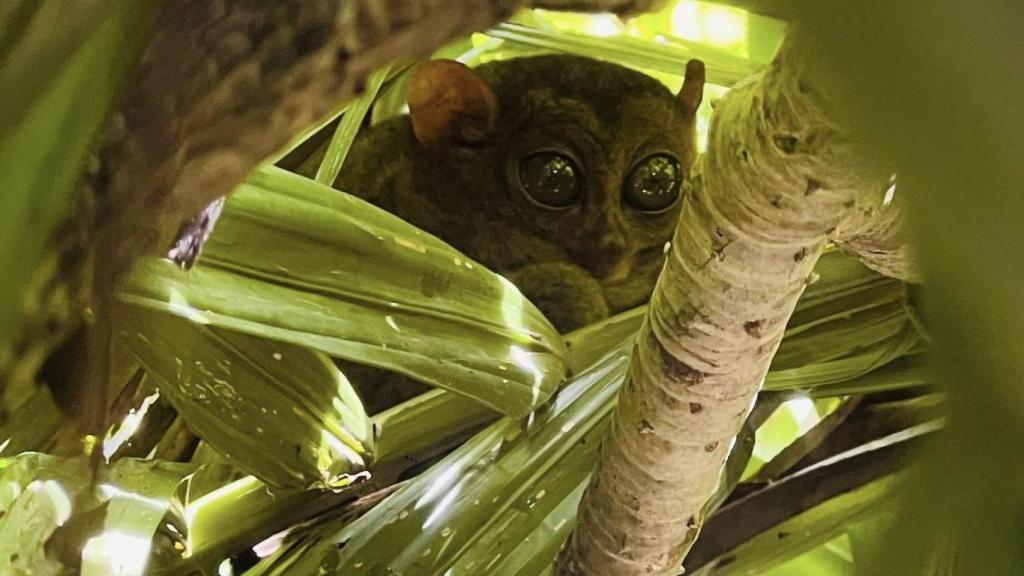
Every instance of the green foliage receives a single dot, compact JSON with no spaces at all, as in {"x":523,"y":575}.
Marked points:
{"x":32,"y":424}
{"x":484,"y":499}
{"x":350,"y":123}
{"x":61,"y":66}
{"x":280,"y":412}
{"x":479,"y":506}
{"x":296,"y":273}
{"x":965,"y":502}
{"x":298,"y":262}
{"x":50,"y":509}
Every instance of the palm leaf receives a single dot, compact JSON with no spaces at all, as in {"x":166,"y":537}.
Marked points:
{"x":280,"y":412}
{"x":301,"y":263}
{"x":50,"y":510}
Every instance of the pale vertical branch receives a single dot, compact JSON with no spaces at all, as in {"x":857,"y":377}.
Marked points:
{"x":779,"y":180}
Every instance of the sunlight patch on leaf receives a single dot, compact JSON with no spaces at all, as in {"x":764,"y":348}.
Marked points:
{"x":280,"y":412}
{"x":45,"y":494}
{"x":301,"y":263}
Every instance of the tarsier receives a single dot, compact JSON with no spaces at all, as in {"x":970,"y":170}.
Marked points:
{"x":562,"y":173}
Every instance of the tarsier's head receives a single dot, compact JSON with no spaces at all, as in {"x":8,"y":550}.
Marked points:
{"x":564,"y":173}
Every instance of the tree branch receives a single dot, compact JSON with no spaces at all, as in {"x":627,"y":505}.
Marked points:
{"x":780,"y":180}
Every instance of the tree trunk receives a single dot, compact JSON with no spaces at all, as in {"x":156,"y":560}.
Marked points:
{"x":779,"y":181}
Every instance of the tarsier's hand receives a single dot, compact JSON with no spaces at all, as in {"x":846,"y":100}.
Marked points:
{"x":567,"y":294}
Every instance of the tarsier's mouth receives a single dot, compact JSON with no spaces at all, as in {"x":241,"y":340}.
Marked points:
{"x":630,"y":293}
{"x":642,"y":262}
{"x":634,"y":285}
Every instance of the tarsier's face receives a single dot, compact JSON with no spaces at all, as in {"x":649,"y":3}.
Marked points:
{"x":586,"y":165}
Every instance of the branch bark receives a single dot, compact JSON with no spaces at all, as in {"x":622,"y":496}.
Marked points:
{"x":779,"y":181}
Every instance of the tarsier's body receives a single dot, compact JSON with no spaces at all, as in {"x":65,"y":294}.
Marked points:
{"x":561,"y":173}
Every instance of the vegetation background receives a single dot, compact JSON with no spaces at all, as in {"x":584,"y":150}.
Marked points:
{"x":240,"y":448}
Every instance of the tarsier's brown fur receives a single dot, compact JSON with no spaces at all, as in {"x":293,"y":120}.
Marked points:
{"x":580,"y":264}
{"x":453,"y":175}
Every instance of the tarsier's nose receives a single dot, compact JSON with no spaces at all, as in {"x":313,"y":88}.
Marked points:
{"x":606,"y":256}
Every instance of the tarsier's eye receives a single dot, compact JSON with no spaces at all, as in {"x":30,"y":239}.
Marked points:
{"x":653,"y":184}
{"x":550,"y":179}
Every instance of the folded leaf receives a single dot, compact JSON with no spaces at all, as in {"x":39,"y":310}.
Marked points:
{"x":298,"y":262}
{"x":282,"y":413}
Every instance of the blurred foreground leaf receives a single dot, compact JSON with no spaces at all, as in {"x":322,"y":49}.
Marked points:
{"x":968,"y":495}
{"x":30,"y":426}
{"x":61,"y":65}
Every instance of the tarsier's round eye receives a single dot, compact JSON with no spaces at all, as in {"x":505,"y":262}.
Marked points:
{"x":550,"y":179}
{"x":653,"y":184}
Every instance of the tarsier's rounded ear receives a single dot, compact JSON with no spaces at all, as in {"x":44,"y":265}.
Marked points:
{"x":693,"y":85}
{"x":450,"y":104}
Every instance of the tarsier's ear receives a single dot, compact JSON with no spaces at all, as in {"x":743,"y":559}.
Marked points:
{"x":449,"y":104}
{"x":693,"y":85}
